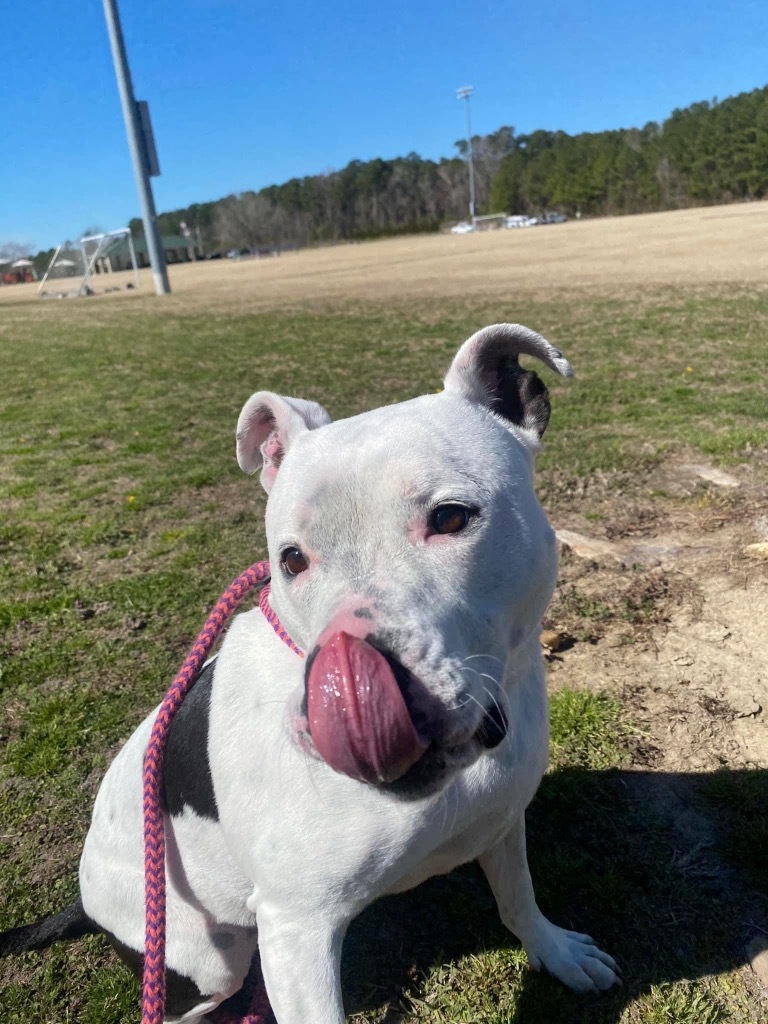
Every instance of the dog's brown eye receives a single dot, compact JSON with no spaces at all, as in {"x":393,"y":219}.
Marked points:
{"x":449,"y":518}
{"x":293,"y":561}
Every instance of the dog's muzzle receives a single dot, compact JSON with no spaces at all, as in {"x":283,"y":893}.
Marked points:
{"x":358,"y":719}
{"x":365,"y":720}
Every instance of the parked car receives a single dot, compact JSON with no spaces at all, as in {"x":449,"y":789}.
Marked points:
{"x":463,"y":228}
{"x":214,"y":255}
{"x":522,"y":221}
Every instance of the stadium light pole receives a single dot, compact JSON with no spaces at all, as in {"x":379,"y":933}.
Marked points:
{"x":463,"y":94}
{"x":139,"y":142}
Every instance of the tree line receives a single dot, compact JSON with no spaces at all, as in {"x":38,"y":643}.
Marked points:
{"x":709,"y":152}
{"x":366,"y":199}
{"x":706,"y":153}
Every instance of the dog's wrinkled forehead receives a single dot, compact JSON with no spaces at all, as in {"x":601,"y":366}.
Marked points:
{"x":486,"y":391}
{"x":433,"y":447}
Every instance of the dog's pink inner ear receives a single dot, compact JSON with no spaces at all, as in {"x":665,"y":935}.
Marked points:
{"x":256,"y":426}
{"x":272,"y":452}
{"x":267,"y":427}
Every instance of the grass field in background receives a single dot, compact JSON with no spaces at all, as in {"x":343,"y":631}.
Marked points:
{"x":703,"y":247}
{"x":124,"y":515}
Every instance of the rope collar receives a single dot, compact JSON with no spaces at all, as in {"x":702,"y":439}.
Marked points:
{"x":271,"y":616}
{"x":153,"y":981}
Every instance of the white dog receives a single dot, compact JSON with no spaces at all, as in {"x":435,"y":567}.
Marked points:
{"x":413,"y":563}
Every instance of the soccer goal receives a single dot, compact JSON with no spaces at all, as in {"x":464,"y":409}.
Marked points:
{"x":105,"y":262}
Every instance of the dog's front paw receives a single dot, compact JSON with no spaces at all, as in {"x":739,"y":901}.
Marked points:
{"x":573,"y":958}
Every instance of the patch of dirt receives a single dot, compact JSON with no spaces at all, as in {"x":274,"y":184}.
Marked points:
{"x":668,"y":606}
{"x":687,"y":655}
{"x":661,"y":501}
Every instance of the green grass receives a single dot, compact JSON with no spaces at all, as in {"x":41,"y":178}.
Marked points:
{"x":124,"y":515}
{"x":683,"y":1004}
{"x":586,"y":730}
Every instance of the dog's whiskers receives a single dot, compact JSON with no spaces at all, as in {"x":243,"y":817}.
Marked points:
{"x":472,"y":699}
{"x":495,"y":701}
{"x":498,"y":707}
{"x":482,"y":675}
{"x":459,"y":706}
{"x":490,"y":657}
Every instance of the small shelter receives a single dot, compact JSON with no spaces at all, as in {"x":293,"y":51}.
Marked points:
{"x":176,"y":248}
{"x":21,"y":271}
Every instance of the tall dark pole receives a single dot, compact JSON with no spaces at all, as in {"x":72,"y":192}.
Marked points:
{"x":137,"y":146}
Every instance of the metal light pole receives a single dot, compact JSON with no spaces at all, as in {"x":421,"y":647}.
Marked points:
{"x":141,"y":146}
{"x":463,"y":94}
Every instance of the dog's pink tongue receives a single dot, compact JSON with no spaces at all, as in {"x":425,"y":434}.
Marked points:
{"x":358,"y":719}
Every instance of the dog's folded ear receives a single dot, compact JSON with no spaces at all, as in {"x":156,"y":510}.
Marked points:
{"x":486,"y":371}
{"x":268,"y":426}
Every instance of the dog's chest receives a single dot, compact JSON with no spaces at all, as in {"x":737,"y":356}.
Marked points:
{"x":460,"y":848}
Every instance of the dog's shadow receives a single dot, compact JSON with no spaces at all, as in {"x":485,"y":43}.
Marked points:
{"x":666,"y":871}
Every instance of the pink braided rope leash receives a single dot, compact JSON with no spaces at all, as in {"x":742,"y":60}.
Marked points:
{"x":153,"y":981}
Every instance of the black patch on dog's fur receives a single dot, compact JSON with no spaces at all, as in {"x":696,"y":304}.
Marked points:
{"x":223,"y":940}
{"x":181,"y":993}
{"x":522,"y":397}
{"x":187,"y":768}
{"x":517,"y":395}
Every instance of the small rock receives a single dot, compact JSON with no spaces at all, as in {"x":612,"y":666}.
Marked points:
{"x":757,"y":951}
{"x":713,"y":475}
{"x":650,"y":555}
{"x":589,"y":547}
{"x":759,"y":550}
{"x":683,"y":659}
{"x":751,"y":712}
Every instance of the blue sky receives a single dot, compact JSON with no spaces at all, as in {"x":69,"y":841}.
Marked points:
{"x":246,"y":94}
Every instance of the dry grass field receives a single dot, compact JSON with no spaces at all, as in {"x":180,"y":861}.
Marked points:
{"x":699,"y":247}
{"x":123,"y":516}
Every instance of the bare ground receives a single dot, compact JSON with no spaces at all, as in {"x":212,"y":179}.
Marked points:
{"x":670,"y":610}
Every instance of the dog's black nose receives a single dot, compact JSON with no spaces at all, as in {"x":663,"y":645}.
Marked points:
{"x":493,"y":727}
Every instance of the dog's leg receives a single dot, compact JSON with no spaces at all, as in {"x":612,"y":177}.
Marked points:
{"x":570,"y":956}
{"x":300,"y":961}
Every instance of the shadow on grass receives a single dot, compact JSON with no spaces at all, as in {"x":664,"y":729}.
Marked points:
{"x":666,"y":871}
